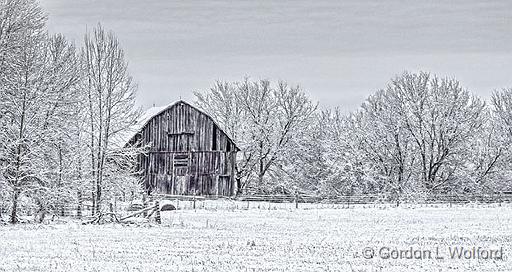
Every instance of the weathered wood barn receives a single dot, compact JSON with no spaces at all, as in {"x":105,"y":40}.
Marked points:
{"x":189,"y":153}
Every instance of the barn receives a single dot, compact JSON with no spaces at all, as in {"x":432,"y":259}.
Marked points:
{"x":189,"y":153}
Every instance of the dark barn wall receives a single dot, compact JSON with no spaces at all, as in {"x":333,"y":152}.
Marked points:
{"x":189,"y":154}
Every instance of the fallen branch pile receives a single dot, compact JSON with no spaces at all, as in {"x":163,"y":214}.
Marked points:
{"x":110,"y":217}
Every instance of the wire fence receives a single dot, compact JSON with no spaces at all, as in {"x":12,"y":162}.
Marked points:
{"x":302,"y":201}
{"x":384,"y":199}
{"x":272,"y":202}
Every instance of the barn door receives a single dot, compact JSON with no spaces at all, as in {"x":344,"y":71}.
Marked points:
{"x":224,"y":185}
{"x":181,"y":185}
{"x":180,"y":172}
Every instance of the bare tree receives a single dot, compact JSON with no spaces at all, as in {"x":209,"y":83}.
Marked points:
{"x":111,"y":102}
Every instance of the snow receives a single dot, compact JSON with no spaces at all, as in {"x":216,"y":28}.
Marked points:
{"x":127,"y":135}
{"x":264,"y":240}
{"x":141,"y":122}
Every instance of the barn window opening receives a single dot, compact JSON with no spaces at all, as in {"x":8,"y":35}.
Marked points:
{"x":189,"y":133}
{"x":181,"y":160}
{"x":214,"y":138}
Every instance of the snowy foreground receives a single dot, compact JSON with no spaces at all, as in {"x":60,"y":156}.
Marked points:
{"x":355,"y":239}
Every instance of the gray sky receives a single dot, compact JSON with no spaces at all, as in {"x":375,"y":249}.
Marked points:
{"x":338,"y":51}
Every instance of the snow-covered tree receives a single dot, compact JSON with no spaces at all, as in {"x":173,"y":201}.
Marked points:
{"x":304,"y":166}
{"x":498,"y":159}
{"x":21,"y":81}
{"x":484,"y":169}
{"x":441,"y":117}
{"x":221,"y":102}
{"x":416,"y":134}
{"x":60,"y":110}
{"x":37,"y":78}
{"x":263,"y":119}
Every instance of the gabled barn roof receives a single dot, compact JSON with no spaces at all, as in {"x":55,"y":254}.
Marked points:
{"x":155,"y":111}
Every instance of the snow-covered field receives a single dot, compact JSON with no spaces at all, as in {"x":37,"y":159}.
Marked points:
{"x":271,"y":240}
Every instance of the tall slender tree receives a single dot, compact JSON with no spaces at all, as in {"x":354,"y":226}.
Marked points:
{"x":110,"y":92}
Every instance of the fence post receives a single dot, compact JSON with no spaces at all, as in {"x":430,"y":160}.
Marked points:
{"x":296,"y":200}
{"x":62,"y":210}
{"x":93,"y":207}
{"x":111,"y":208}
{"x":157,"y":216}
{"x":144,"y":204}
{"x":194,"y":199}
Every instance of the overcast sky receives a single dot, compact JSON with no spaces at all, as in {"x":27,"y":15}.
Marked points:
{"x":338,"y":51}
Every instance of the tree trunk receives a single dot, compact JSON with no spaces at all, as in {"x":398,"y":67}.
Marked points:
{"x":41,"y":214}
{"x":98,"y":196}
{"x":238,"y":186}
{"x":93,"y":208}
{"x":261,"y":173}
{"x":14,"y":215}
{"x":79,"y":207}
{"x":260,"y":180}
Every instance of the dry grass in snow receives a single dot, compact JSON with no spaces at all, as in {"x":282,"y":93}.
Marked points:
{"x":265,"y":240}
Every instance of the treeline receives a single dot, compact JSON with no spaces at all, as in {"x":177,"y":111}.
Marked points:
{"x":65,"y":110}
{"x":62,"y":110}
{"x":419,"y":136}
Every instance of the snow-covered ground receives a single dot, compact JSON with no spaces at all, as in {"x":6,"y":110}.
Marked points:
{"x":270,"y":240}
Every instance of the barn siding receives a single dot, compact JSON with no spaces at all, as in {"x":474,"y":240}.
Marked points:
{"x":183,"y":158}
